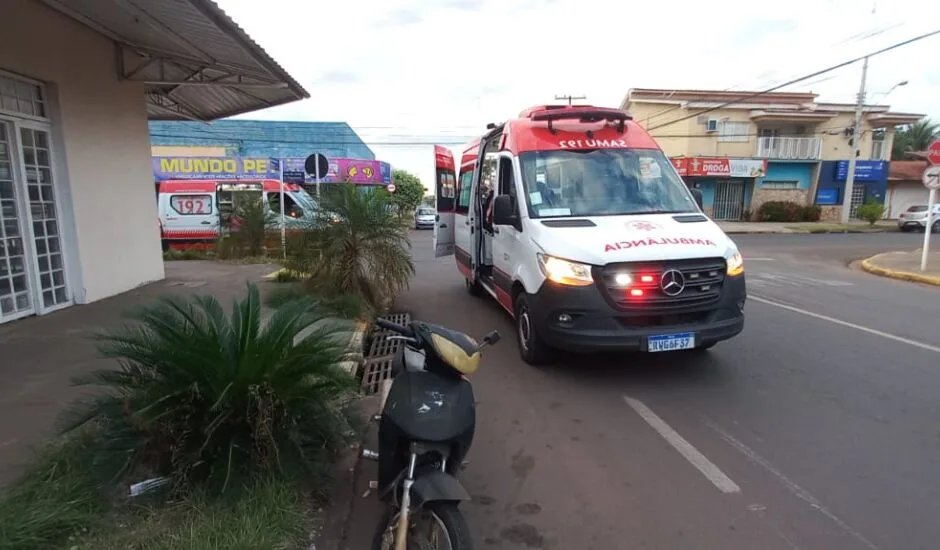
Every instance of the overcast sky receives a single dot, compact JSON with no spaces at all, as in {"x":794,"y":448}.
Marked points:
{"x":405,"y":71}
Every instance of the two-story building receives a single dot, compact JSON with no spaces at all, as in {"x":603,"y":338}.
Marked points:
{"x":774,"y":146}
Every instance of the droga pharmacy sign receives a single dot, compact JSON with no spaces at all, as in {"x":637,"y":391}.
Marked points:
{"x":720,"y":167}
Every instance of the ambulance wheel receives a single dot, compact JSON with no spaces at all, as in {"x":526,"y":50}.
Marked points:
{"x":473,"y":287}
{"x":532,"y":348}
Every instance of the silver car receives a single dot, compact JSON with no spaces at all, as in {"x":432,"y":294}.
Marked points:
{"x":915,"y":218}
{"x":425,"y":218}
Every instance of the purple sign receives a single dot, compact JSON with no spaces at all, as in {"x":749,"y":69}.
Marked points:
{"x":217,"y":168}
{"x":351,"y":170}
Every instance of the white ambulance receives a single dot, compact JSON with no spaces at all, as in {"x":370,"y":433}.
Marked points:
{"x":192,"y":211}
{"x":574,"y":220}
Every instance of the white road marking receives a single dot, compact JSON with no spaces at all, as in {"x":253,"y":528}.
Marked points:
{"x":798,"y":280}
{"x":896,"y":338}
{"x":697,"y":459}
{"x":798,"y":491}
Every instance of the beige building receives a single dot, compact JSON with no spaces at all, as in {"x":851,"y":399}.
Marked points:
{"x":743,"y":148}
{"x":78,"y":81}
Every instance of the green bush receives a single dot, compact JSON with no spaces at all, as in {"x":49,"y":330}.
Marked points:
{"x":871,"y":212}
{"x":246,"y":228}
{"x":347,"y":306}
{"x":206,"y":398}
{"x":779,"y":211}
{"x":356,"y":246}
{"x":810,"y":213}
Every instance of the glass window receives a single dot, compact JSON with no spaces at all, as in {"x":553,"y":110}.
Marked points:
{"x":736,"y":132}
{"x":466,"y":187}
{"x":191,"y":205}
{"x":602,"y":182}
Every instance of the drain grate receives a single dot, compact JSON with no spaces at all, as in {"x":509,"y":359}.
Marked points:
{"x":374,"y":372}
{"x":400,"y":318}
{"x":381,"y":346}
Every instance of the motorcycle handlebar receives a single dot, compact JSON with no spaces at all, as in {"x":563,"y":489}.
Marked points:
{"x":394,"y":327}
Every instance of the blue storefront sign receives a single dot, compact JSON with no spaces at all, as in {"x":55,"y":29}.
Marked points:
{"x":827,"y":195}
{"x":865,"y":170}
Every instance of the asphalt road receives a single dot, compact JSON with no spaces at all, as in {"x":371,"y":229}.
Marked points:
{"x":817,"y":428}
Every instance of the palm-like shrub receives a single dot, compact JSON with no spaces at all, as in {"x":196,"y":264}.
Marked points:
{"x":356,"y":246}
{"x":247,"y":227}
{"x":204,"y":397}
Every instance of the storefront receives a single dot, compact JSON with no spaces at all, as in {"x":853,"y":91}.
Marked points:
{"x":786,"y":181}
{"x":726,"y":184}
{"x":870,"y":183}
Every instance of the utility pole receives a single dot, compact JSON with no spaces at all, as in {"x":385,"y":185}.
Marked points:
{"x":856,"y":146}
{"x":569,"y":98}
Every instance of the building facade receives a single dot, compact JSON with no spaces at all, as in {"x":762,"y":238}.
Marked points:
{"x":785,"y":146}
{"x":77,"y":87}
{"x":259,"y":138}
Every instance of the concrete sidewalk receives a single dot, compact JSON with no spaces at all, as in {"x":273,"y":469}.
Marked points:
{"x":42,"y":354}
{"x":854,"y":226}
{"x":905,"y":266}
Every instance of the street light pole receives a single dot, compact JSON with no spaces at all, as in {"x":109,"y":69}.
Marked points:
{"x":850,"y":176}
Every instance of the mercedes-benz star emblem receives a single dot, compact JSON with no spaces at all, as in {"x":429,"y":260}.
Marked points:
{"x":672,"y":282}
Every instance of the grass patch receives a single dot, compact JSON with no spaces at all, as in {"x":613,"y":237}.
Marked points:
{"x":175,"y":254}
{"x":842,"y":228}
{"x":55,"y":498}
{"x":57,"y":503}
{"x":269,"y":514}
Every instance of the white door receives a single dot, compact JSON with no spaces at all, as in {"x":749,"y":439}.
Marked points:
{"x":52,"y":291}
{"x":445,"y":187}
{"x":15,"y":293}
{"x":464,"y":219}
{"x":507,"y":245}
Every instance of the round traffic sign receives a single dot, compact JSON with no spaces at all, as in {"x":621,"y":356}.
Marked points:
{"x":317,"y":165}
{"x":391,"y":188}
{"x":933,"y":153}
{"x":931,"y":177}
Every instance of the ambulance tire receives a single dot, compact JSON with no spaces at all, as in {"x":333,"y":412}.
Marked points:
{"x":532,"y":348}
{"x":473,"y":287}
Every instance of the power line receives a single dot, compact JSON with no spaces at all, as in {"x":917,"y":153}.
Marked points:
{"x":800,"y":79}
{"x":864,"y":35}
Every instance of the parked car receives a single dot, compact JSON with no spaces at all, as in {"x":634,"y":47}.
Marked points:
{"x":915,"y":218}
{"x":425,"y":217}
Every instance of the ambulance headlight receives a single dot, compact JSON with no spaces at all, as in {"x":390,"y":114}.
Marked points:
{"x":734,"y":261}
{"x":565,"y":272}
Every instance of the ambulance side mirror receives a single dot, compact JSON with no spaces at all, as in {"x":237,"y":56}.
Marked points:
{"x":504,"y":212}
{"x":697,"y":195}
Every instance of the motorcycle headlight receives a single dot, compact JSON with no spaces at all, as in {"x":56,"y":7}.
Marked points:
{"x":734,"y":261}
{"x":565,"y":272}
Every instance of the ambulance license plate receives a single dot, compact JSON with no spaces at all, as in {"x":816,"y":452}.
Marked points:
{"x":670,"y":342}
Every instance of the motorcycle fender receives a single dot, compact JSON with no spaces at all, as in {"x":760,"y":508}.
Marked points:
{"x":437,"y":486}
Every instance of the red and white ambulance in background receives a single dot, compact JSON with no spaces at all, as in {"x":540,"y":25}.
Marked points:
{"x":192,"y":211}
{"x":589,"y":239}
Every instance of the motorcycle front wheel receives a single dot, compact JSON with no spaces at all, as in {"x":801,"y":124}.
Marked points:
{"x":438,"y":526}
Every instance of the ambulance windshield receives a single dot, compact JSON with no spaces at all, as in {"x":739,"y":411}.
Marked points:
{"x":602,"y":182}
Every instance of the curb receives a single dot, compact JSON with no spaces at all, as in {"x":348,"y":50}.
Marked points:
{"x":868,"y":265}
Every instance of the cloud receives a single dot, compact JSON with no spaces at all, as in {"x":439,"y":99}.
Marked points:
{"x":338,"y":77}
{"x":401,"y":18}
{"x":413,"y":70}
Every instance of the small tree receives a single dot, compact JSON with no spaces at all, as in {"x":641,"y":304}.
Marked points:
{"x":409,"y":191}
{"x":871,"y":212}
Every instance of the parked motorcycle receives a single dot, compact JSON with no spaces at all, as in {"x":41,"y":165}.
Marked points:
{"x":425,"y":430}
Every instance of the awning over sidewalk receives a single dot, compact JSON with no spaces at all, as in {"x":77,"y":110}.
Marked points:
{"x":196,"y":63}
